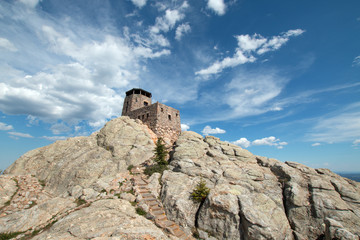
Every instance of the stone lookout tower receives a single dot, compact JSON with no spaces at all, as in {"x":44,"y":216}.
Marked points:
{"x":163,"y":120}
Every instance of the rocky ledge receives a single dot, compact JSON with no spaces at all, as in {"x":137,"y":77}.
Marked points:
{"x":81,"y":188}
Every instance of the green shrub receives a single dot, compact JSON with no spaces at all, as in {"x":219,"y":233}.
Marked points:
{"x":140,"y":211}
{"x":131,"y":191}
{"x":130,"y":167}
{"x":160,"y":159}
{"x":80,"y":201}
{"x":42,"y":183}
{"x":200,"y":192}
{"x":155,"y":168}
{"x":9,"y":235}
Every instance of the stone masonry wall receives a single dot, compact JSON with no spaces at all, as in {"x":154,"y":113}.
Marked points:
{"x":133,"y":102}
{"x":163,"y":120}
{"x":167,"y":123}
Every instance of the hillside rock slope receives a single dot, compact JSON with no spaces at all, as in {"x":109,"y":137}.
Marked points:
{"x":71,"y":189}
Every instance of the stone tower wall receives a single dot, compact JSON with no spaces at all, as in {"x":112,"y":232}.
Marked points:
{"x":135,"y":101}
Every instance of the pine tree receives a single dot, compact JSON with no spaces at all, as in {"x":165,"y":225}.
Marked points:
{"x":200,"y":192}
{"x":160,"y":153}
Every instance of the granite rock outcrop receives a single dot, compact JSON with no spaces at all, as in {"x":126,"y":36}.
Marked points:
{"x":81,"y":188}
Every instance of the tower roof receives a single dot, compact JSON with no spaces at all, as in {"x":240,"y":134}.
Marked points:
{"x":138,"y":91}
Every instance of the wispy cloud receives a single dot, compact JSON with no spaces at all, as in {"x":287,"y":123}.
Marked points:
{"x":30,"y":3}
{"x":315,"y":144}
{"x":208,"y":130}
{"x":356,"y":143}
{"x":339,"y":126}
{"x":5,"y":127}
{"x":6,"y":44}
{"x":248,"y":48}
{"x":181,"y":30}
{"x":54,"y":138}
{"x":252,"y":93}
{"x":356,"y":62}
{"x":18,"y":134}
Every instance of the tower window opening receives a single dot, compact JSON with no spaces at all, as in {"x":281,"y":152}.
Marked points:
{"x":142,"y":117}
{"x":147,"y":115}
{"x":162,"y":110}
{"x":146,"y":103}
{"x":169,"y":116}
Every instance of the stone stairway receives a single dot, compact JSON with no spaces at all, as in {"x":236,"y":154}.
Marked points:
{"x":156,"y":208}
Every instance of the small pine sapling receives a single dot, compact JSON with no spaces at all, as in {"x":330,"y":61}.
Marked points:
{"x":160,"y":153}
{"x":200,"y":192}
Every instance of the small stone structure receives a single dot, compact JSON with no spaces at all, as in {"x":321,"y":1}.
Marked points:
{"x":163,"y":120}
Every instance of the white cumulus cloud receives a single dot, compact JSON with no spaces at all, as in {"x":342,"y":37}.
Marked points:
{"x":248,"y":48}
{"x":208,"y":130}
{"x":139,"y":3}
{"x":242,"y":142}
{"x":184,"y":127}
{"x":218,"y":6}
{"x":269,"y":141}
{"x":5,"y":127}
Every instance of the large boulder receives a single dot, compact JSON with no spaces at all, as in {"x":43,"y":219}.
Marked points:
{"x":84,"y":160}
{"x":255,"y":197}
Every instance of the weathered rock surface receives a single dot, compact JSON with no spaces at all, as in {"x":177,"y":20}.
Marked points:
{"x":36,"y":216}
{"x":255,"y":197}
{"x":104,"y":219}
{"x":84,"y":160}
{"x":251,"y":197}
{"x":7,"y":189}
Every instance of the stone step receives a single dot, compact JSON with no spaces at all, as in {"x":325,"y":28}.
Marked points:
{"x":168,"y":223}
{"x":144,"y":190}
{"x":146,"y":195}
{"x":149,"y":199}
{"x":158,"y":212}
{"x":173,"y":227}
{"x":152,"y":203}
{"x":141,"y":184}
{"x":143,"y":187}
{"x":179,"y":233}
{"x":161,"y":218}
{"x":155,"y":208}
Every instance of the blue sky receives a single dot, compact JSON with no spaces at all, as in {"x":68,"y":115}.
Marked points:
{"x":279,"y":78}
